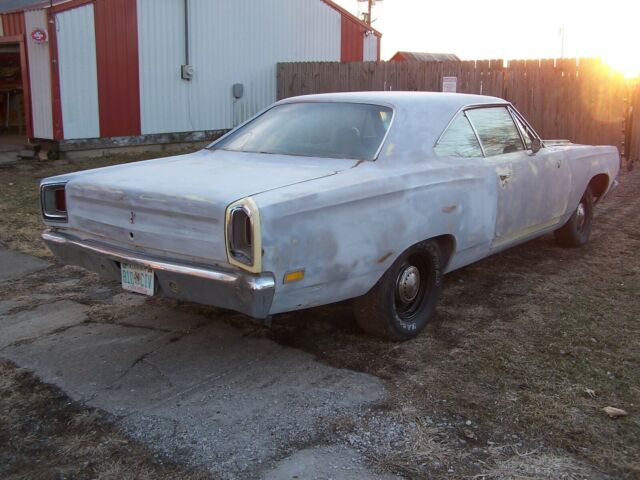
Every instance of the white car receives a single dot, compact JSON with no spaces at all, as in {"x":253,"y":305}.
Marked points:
{"x":323,"y":198}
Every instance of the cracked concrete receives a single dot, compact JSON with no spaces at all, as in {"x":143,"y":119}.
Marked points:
{"x":28,"y":325}
{"x":321,"y":463}
{"x":193,"y":388}
{"x":15,"y":265}
{"x":7,"y":305}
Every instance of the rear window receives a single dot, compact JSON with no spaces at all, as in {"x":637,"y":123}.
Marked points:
{"x":333,"y":130}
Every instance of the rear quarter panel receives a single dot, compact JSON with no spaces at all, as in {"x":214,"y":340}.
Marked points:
{"x":586,"y":162}
{"x":346,"y":230}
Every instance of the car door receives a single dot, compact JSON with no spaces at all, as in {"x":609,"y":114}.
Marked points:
{"x":519,"y":196}
{"x":552,"y":172}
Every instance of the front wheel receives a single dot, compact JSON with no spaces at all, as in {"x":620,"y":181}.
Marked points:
{"x":577,"y":230}
{"x":403,"y":301}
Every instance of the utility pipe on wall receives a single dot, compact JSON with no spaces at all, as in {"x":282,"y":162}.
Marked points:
{"x":186,"y":69}
{"x":186,"y":32}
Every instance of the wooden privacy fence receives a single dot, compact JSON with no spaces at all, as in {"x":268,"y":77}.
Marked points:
{"x":582,"y":100}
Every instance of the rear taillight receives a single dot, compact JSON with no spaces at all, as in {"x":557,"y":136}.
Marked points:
{"x":61,"y":200}
{"x":243,"y":235}
{"x":53,"y":201}
{"x":240,"y":235}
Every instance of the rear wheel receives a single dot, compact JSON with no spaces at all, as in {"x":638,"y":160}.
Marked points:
{"x":577,"y":230}
{"x":403,"y":301}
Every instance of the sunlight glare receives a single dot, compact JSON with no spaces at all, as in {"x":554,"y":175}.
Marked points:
{"x":623,"y":63}
{"x":553,"y":29}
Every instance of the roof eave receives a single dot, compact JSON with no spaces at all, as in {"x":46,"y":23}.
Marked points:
{"x":351,"y":16}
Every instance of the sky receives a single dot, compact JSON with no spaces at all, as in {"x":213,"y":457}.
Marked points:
{"x":515,"y":29}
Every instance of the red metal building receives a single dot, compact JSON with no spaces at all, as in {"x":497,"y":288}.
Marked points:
{"x":130,"y":72}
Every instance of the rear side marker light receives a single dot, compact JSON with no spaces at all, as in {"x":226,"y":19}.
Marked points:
{"x":293,"y":276}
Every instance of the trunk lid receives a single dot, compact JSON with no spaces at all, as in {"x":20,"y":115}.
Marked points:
{"x":175,"y":207}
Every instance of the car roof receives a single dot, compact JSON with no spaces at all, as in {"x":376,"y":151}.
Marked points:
{"x":420,"y":118}
{"x":440,"y":100}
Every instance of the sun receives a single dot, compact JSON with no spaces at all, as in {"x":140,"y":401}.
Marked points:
{"x":625,"y":64}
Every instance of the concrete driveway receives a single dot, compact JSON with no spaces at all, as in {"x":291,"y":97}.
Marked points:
{"x":190,"y":386}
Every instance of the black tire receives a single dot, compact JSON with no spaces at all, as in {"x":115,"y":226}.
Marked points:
{"x":397,"y":308}
{"x":575,"y":233}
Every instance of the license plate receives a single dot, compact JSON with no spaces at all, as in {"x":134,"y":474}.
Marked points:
{"x":137,"y":279}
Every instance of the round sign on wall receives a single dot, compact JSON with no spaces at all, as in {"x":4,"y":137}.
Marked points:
{"x":39,"y":35}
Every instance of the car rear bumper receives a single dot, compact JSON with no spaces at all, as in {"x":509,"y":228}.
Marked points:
{"x":251,"y":294}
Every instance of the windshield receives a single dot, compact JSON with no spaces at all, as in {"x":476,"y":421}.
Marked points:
{"x":334,"y":130}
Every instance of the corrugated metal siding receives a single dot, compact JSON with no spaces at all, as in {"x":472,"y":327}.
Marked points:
{"x":77,"y":68}
{"x":13,"y":24}
{"x":232,"y":41}
{"x":370,"y":48}
{"x":117,"y":66}
{"x":39,"y":77}
{"x":352,"y":34}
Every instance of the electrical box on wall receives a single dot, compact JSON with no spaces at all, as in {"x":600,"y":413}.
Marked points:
{"x":238,"y":90}
{"x":187,"y":72}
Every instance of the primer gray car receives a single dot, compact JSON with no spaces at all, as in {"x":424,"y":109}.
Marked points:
{"x":323,"y":198}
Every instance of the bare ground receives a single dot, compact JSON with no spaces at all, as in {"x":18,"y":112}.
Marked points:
{"x":509,"y":380}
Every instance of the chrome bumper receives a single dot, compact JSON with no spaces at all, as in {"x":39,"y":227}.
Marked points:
{"x":247,"y":293}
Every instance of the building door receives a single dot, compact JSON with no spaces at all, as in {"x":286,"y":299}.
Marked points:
{"x":15,"y":116}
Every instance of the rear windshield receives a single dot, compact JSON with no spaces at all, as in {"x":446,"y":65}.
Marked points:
{"x":334,"y":130}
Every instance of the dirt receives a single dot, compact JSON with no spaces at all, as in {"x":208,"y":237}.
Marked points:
{"x":508,"y":381}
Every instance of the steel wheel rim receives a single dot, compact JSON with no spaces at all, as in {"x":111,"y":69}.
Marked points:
{"x":412,"y":284}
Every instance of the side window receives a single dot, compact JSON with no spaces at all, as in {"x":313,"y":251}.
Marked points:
{"x":496,"y":130}
{"x":526,"y":134}
{"x":459,"y":140}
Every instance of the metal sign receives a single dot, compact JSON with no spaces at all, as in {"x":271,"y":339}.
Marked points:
{"x":450,"y":84}
{"x":39,"y":35}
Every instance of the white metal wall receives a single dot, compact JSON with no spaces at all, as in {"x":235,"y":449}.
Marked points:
{"x":370,"y":48}
{"x":232,"y":41}
{"x":76,"y":37}
{"x":39,"y":76}
{"x":163,"y":94}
